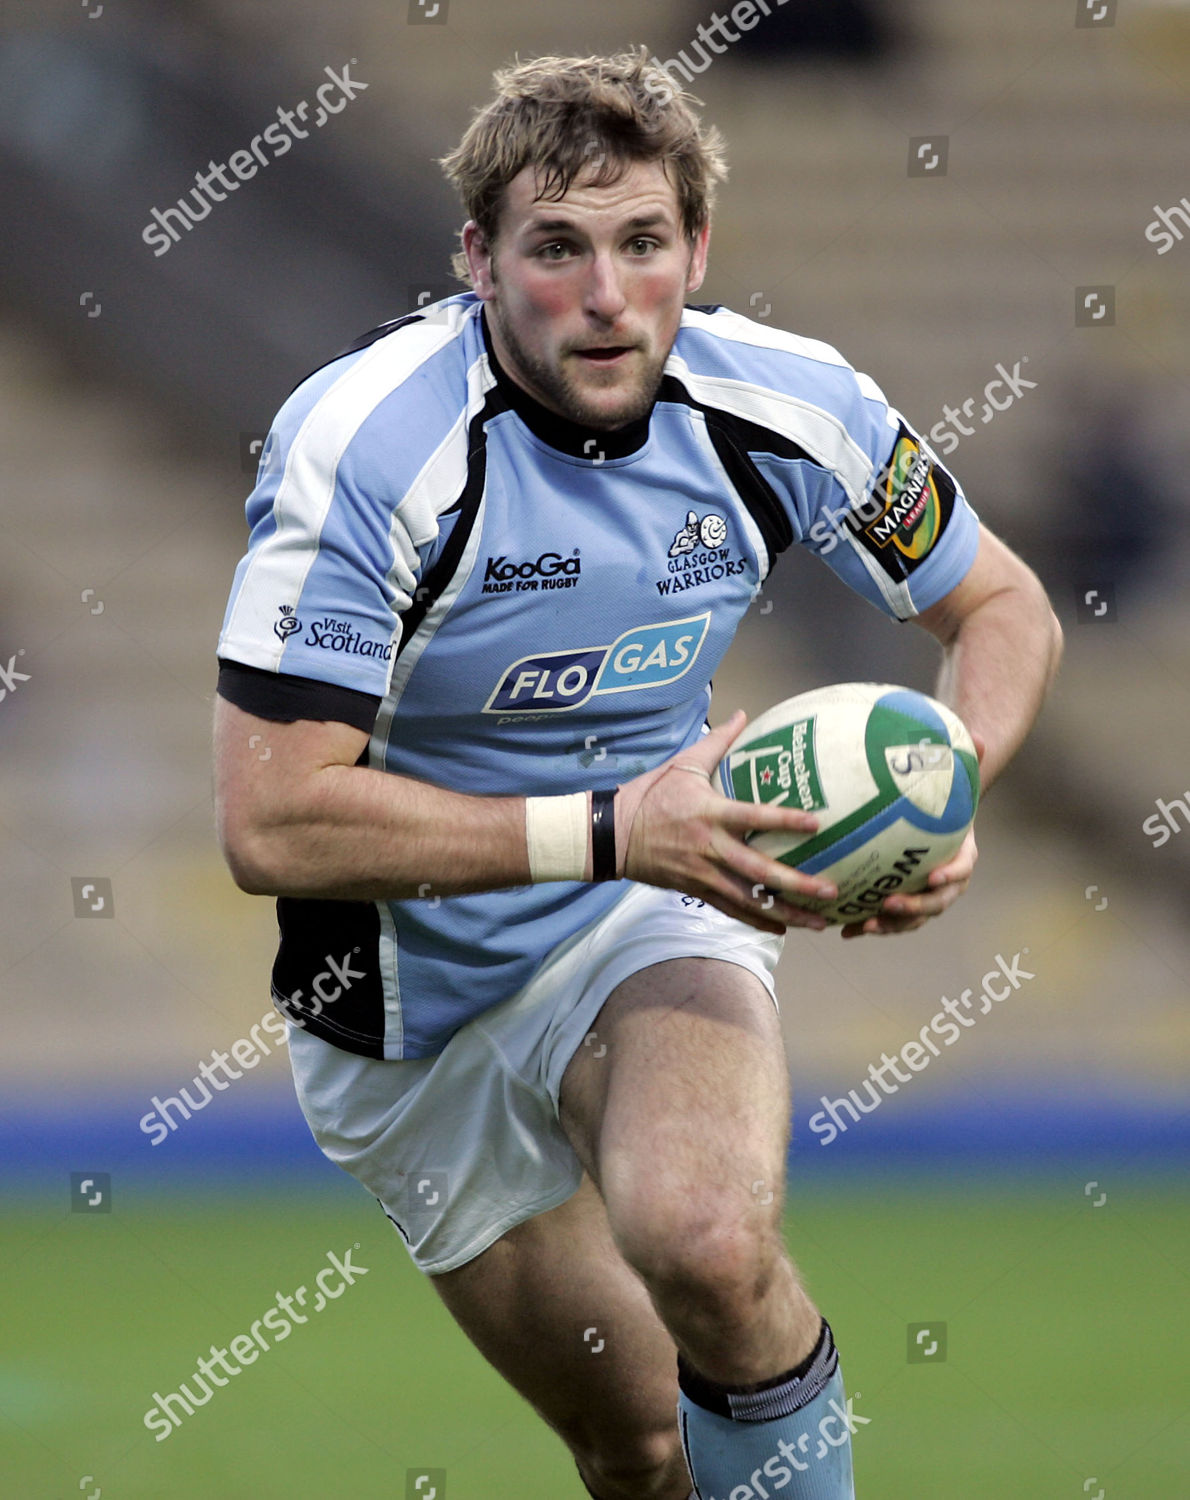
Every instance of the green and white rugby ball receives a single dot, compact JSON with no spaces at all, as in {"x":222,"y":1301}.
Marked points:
{"x":891,"y":774}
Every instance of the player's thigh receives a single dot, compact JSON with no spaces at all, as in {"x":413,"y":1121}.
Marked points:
{"x":685,"y":1116}
{"x":555,"y":1309}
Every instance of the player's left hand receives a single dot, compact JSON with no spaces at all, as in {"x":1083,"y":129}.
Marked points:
{"x":946,"y":884}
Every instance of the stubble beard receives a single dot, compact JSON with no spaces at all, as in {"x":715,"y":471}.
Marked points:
{"x":567,"y":396}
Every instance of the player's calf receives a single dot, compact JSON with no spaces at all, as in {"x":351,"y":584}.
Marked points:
{"x":732,"y":1300}
{"x":791,"y":1433}
{"x":652,"y":1470}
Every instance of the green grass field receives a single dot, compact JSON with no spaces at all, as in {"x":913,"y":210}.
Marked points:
{"x":1066,"y":1348}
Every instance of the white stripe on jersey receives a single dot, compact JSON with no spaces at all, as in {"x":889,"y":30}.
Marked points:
{"x":869,"y":388}
{"x":282,"y":562}
{"x":735,"y":328}
{"x":823,"y":436}
{"x":724,"y":323}
{"x":453,"y":456}
{"x":415,"y":518}
{"x":389,"y":960}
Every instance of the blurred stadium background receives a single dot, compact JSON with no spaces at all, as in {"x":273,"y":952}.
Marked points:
{"x":1023,"y":1199}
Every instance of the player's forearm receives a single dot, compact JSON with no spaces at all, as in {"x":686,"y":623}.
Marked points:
{"x":300,"y":821}
{"x":351,"y":833}
{"x":998,"y":667}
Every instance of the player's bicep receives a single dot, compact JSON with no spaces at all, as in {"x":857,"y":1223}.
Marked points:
{"x":995,"y":570}
{"x":265,"y":770}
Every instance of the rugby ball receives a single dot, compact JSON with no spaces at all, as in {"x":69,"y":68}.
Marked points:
{"x":891,"y":775}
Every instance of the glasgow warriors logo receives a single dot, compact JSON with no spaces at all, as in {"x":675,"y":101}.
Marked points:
{"x":711,"y":531}
{"x":688,"y":566}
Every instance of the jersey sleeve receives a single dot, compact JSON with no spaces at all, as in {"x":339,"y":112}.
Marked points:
{"x":331,"y":563}
{"x":285,"y":699}
{"x":904,"y":536}
{"x":886,"y":515}
{"x":851,"y":479}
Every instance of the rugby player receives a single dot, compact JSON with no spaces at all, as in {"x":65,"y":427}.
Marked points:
{"x":497,"y":549}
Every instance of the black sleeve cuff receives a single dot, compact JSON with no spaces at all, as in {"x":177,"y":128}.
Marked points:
{"x":285,"y":699}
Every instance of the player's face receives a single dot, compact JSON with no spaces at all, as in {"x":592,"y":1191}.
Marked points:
{"x":584,"y":294}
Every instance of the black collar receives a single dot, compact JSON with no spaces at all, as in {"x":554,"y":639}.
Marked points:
{"x":594,"y":443}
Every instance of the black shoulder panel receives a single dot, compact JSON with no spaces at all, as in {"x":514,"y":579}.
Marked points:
{"x":735,"y":439}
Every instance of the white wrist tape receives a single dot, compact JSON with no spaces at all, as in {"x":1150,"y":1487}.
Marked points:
{"x":557,"y":831}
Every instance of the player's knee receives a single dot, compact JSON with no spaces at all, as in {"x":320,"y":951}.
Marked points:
{"x":645,"y":1466}
{"x":719,"y":1254}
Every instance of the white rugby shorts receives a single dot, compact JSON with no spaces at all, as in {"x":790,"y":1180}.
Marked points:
{"x":460,"y":1147}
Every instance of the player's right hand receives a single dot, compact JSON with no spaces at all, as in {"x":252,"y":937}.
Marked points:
{"x":676,"y":830}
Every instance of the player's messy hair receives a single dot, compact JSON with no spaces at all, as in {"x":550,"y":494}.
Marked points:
{"x":567,"y":115}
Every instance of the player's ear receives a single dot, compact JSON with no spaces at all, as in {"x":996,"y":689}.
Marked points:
{"x":479,"y":259}
{"x":698,"y":258}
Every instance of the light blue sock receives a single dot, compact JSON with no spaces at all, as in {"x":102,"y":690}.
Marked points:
{"x":792,"y":1440}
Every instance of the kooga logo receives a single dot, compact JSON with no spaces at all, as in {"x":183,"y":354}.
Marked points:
{"x":550,"y":570}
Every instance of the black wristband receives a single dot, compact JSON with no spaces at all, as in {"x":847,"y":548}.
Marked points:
{"x":603,"y":835}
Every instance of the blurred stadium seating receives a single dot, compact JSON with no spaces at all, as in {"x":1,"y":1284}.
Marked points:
{"x":125,"y":428}
{"x":125,"y":414}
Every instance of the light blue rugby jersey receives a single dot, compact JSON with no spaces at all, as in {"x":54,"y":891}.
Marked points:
{"x":513,"y":604}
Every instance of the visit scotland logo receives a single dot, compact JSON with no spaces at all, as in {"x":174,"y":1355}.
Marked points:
{"x":329,"y":634}
{"x":287,"y":624}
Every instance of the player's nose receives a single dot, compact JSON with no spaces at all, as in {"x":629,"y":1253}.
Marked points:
{"x":604,"y":293}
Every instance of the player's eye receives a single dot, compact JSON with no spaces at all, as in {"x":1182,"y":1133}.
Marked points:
{"x":545,"y":252}
{"x":643,"y":244}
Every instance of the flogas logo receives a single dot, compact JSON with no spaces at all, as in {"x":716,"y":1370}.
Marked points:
{"x":554,"y":681}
